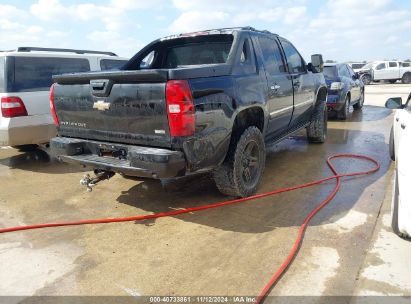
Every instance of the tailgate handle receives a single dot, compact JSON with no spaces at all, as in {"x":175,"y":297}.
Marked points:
{"x":101,"y":87}
{"x":97,"y":85}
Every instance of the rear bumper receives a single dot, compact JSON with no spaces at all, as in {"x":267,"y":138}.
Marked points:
{"x":26,"y":130}
{"x":127,"y":159}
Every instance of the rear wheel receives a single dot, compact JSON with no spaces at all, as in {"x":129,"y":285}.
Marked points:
{"x":344,"y":112}
{"x":317,"y":129}
{"x":360,"y":102}
{"x":243,"y":168}
{"x":406,"y":78}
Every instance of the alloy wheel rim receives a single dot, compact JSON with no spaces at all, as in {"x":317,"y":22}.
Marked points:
{"x":250,"y":163}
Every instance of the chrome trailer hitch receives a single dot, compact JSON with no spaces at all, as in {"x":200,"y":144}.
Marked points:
{"x":100,"y":175}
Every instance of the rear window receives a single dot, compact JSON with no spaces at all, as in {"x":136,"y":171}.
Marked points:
{"x":330,"y":72}
{"x":182,"y":52}
{"x":111,"y":64}
{"x":2,"y":75}
{"x":196,"y":54}
{"x":34,"y":73}
{"x":357,"y":65}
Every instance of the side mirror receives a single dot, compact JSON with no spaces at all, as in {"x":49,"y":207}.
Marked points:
{"x":394,"y":103}
{"x":317,"y":63}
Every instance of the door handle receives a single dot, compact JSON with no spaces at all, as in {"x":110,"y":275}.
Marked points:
{"x":403,"y":125}
{"x":275,"y":87}
{"x":296,"y":84}
{"x":397,"y":119}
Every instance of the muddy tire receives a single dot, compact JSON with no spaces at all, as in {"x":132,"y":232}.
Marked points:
{"x":360,"y":103}
{"x":345,"y":111}
{"x":317,"y":129}
{"x":242,"y":170}
{"x":391,"y":144}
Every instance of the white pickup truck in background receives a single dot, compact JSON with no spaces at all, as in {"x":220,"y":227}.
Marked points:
{"x":386,"y":70}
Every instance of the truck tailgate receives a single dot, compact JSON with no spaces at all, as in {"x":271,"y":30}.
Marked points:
{"x":122,"y":106}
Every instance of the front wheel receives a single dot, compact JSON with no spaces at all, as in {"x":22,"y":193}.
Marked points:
{"x":317,"y":129}
{"x":243,"y":168}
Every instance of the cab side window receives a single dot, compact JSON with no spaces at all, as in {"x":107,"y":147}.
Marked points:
{"x":392,"y":64}
{"x":295,"y":62}
{"x":380,"y":66}
{"x":273,"y":60}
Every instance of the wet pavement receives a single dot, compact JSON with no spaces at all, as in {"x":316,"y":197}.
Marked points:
{"x":232,"y":250}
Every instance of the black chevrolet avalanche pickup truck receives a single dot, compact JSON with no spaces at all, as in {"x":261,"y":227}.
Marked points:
{"x":190,"y":103}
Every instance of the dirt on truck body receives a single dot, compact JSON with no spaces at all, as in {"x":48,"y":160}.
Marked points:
{"x":205,"y":101}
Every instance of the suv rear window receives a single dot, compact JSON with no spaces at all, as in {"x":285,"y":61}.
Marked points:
{"x":34,"y":73}
{"x":111,"y":64}
{"x":330,"y":72}
{"x":2,"y":74}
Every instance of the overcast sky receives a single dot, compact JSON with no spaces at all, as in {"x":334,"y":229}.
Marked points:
{"x":339,"y":29}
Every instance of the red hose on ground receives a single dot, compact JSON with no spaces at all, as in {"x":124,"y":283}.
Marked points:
{"x":274,"y":279}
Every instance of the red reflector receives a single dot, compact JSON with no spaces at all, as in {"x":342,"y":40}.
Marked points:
{"x":12,"y":107}
{"x":53,"y":107}
{"x":180,"y":108}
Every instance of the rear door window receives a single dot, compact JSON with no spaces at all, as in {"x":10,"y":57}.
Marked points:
{"x":35,"y":73}
{"x":392,"y":64}
{"x":111,"y":64}
{"x":272,"y":57}
{"x":2,"y":89}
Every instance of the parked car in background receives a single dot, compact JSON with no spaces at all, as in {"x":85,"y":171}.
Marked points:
{"x":207,"y":101}
{"x":356,"y":66}
{"x":25,"y":80}
{"x":400,"y":151}
{"x":390,"y":71}
{"x":345,"y":89}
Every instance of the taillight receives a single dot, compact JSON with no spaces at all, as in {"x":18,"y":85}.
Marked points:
{"x":180,"y":108}
{"x":53,"y":107}
{"x":12,"y":107}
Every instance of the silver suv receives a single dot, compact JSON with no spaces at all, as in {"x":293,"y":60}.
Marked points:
{"x":25,"y":80}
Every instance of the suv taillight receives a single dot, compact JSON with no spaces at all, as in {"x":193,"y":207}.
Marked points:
{"x":12,"y":107}
{"x":52,"y":106}
{"x":180,"y":108}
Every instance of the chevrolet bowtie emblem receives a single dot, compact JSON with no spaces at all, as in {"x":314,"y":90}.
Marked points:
{"x":101,"y":105}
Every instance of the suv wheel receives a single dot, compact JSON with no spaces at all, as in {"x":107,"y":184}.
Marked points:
{"x":317,"y":129}
{"x":366,"y":79}
{"x":360,"y":102}
{"x":406,"y":78}
{"x":343,"y":113}
{"x":243,"y":168}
